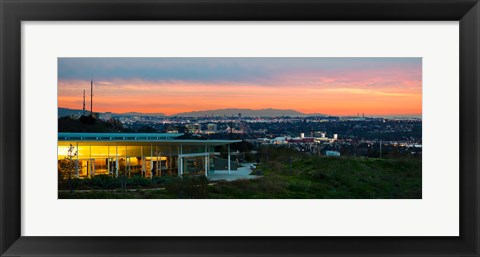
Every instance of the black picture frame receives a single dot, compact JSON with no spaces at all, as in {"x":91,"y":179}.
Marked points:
{"x":13,"y":12}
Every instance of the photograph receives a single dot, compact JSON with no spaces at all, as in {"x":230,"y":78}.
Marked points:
{"x":239,"y":128}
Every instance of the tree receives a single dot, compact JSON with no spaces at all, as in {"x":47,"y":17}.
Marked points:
{"x":67,"y":166}
{"x":123,"y":176}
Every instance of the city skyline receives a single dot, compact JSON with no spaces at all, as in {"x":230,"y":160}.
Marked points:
{"x":333,"y":86}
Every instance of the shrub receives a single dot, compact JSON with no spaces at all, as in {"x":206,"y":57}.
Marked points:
{"x":194,"y":187}
{"x":105,"y":182}
{"x":165,"y":180}
{"x":139,"y":181}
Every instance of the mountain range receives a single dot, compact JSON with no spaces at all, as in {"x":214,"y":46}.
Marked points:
{"x":269,"y":112}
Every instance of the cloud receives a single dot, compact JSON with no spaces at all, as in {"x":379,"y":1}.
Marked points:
{"x":264,"y":71}
{"x":312,"y":85}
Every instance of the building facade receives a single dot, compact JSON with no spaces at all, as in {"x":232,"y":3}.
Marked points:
{"x":137,"y":154}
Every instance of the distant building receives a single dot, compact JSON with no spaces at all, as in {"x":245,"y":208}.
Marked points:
{"x":105,"y":116}
{"x":332,"y":153}
{"x":319,"y":134}
{"x":193,"y":128}
{"x":279,"y":140}
{"x":244,"y":127}
{"x":237,"y":131}
{"x":322,"y":139}
{"x":298,"y":140}
{"x":212,"y":127}
{"x":75,"y":116}
{"x":263,"y":140}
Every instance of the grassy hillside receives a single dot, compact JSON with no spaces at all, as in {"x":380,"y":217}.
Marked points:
{"x":307,"y":177}
{"x":330,"y":178}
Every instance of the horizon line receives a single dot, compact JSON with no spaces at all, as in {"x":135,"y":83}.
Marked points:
{"x":306,"y":114}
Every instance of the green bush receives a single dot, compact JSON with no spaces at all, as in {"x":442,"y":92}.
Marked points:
{"x":104,"y":182}
{"x":165,"y":180}
{"x":193,"y":187}
{"x":139,"y":181}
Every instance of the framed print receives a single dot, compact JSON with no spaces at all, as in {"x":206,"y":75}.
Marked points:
{"x":198,"y":128}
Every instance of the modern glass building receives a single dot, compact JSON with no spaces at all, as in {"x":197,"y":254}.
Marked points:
{"x":130,"y":154}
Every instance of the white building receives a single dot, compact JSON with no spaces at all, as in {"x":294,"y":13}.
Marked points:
{"x":332,"y":153}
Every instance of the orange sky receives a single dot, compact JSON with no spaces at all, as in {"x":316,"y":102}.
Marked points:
{"x":385,"y":91}
{"x":181,"y":97}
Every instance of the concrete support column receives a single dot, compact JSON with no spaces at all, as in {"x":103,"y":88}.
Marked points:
{"x":116,"y":161}
{"x":178,"y":166}
{"x":127,"y":163}
{"x":151,"y":160}
{"x":108,"y":159}
{"x":90,"y":162}
{"x":228,"y":158}
{"x":77,"y":175}
{"x":159,"y":166}
{"x":181,"y":166}
{"x":170,"y":161}
{"x":142,"y":161}
{"x":181,"y":161}
{"x":206,"y":161}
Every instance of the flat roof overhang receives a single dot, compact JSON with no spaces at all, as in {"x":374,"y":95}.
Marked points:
{"x":176,"y":142}
{"x":116,"y":136}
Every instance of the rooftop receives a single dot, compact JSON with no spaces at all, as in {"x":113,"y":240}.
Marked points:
{"x":116,"y":136}
{"x":137,"y":138}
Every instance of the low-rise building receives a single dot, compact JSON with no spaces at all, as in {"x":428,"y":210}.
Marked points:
{"x":143,"y":154}
{"x":332,"y":153}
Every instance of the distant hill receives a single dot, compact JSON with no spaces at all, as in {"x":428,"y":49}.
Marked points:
{"x":66,"y":112}
{"x":316,"y":114}
{"x":138,"y":114}
{"x":269,"y":112}
{"x":244,"y":112}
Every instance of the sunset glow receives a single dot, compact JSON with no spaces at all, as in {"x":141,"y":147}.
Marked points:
{"x":333,"y":86}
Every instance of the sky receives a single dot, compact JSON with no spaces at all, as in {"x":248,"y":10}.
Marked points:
{"x":333,"y":86}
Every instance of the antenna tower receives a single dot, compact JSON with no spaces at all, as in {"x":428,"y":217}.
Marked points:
{"x":91,"y":97}
{"x":84,"y":102}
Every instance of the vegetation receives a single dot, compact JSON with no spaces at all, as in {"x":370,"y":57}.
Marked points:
{"x":287,"y":174}
{"x":104,"y":186}
{"x":314,"y":177}
{"x":66,"y":169}
{"x":89,"y":124}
